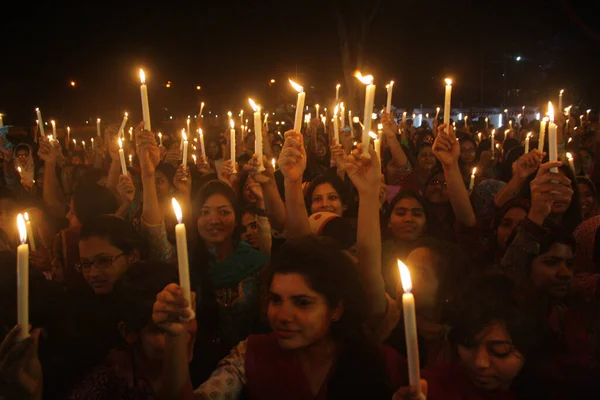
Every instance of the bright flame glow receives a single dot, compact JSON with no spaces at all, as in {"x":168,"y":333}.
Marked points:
{"x":177,"y":209}
{"x":529,"y":135}
{"x":355,"y":120}
{"x":474,"y":171}
{"x":569,"y":156}
{"x":231,"y":123}
{"x":338,"y":86}
{"x":373,"y":135}
{"x":562,"y":91}
{"x":19,"y":170}
{"x":296,"y":87}
{"x":253,"y":105}
{"x":194,"y":158}
{"x":273,"y":162}
{"x":379,"y":127}
{"x":438,"y":109}
{"x":98,"y":120}
{"x":448,"y":81}
{"x":22,"y":229}
{"x":367,"y":80}
{"x":405,"y":277}
{"x":119,"y":140}
{"x":200,"y":131}
{"x":142,"y":77}
{"x":336,"y":109}
{"x":183,"y":135}
{"x":551,"y":111}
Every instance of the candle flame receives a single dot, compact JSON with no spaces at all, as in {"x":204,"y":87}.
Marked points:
{"x":438,"y":109}
{"x":342,"y":106}
{"x":379,"y":127}
{"x":159,"y":134}
{"x":355,"y":120}
{"x":50,"y":137}
{"x":228,"y":114}
{"x":373,"y":135}
{"x":562,"y":91}
{"x":493,"y":132}
{"x":231,"y":123}
{"x":405,"y":277}
{"x":183,"y":135}
{"x":130,"y":157}
{"x":26,"y":216}
{"x":551,"y":111}
{"x":273,"y":162}
{"x":338,"y":86}
{"x":22,"y":228}
{"x":529,"y":134}
{"x":448,"y":81}
{"x":253,"y":105}
{"x":68,"y":129}
{"x":589,"y":110}
{"x":200,"y":131}
{"x":19,"y":170}
{"x":119,"y":140}
{"x":296,"y":87}
{"x":367,"y":80}
{"x":336,"y":109}
{"x":474,"y":170}
{"x":142,"y":77}
{"x":194,"y":158}
{"x":53,"y":122}
{"x":569,"y":156}
{"x":177,"y":209}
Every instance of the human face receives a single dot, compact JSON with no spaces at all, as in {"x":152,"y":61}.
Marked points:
{"x":23,"y":157}
{"x":436,"y":192}
{"x":559,"y":207}
{"x":326,"y":198}
{"x":552,"y":271}
{"x":110,"y":263}
{"x":491,"y":359}
{"x":586,"y":161}
{"x":163,"y":186}
{"x":423,"y":273}
{"x":407,"y":220}
{"x":391,"y":171}
{"x":321,"y":148}
{"x":508,"y":223}
{"x":426,"y":158}
{"x":76,"y":160}
{"x":299,"y":316}
{"x":213,"y":150}
{"x":217,"y":220}
{"x":467,"y":151}
{"x":248,"y":195}
{"x":73,"y":221}
{"x":250,"y":229}
{"x":586,"y":197}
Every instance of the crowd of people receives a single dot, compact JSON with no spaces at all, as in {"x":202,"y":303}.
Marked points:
{"x":296,"y":292}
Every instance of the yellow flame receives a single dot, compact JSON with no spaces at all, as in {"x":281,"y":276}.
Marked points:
{"x":529,"y":134}
{"x":438,"y":109}
{"x":373,"y":135}
{"x":19,"y":169}
{"x":194,"y":158}
{"x":68,"y":129}
{"x":336,"y":109}
{"x":119,"y":140}
{"x":569,"y":156}
{"x":183,"y":135}
{"x":551,"y":111}
{"x":493,"y":132}
{"x":342,"y":106}
{"x":562,"y":91}
{"x":177,"y":209}
{"x":367,"y":80}
{"x":159,"y":134}
{"x":405,"y":277}
{"x":273,"y":162}
{"x":142,"y":77}
{"x":253,"y":105}
{"x":22,"y":228}
{"x":200,"y":131}
{"x":448,"y":81}
{"x":338,"y":86}
{"x":474,"y":171}
{"x":379,"y":127}
{"x":296,"y":87}
{"x":231,"y":123}
{"x":98,"y":120}
{"x":126,"y":114}
{"x":355,"y":120}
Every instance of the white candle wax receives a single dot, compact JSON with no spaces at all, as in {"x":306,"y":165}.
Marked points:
{"x":390,"y":88}
{"x":40,"y":121}
{"x":343,"y":115}
{"x":1,"y":121}
{"x":472,"y":183}
{"x":258,"y":142}
{"x":527,"y":143}
{"x":29,"y":229}
{"x":98,"y":133}
{"x":202,"y":143}
{"x":369,"y":100}
{"x":447,"y":102}
{"x":232,"y":144}
{"x":542,"y":134}
{"x":122,"y":128}
{"x":182,"y":256}
{"x":299,"y":105}
{"x":337,"y":93}
{"x":571,"y":163}
{"x":23,"y":279}
{"x":145,"y":104}
{"x":185,"y":148}
{"x":188,"y":124}
{"x":437,"y":113}
{"x":53,"y":122}
{"x":131,"y":160}
{"x":410,"y":329}
{"x":560,"y":100}
{"x":487,"y":123}
{"x":122,"y":157}
{"x":336,"y":132}
{"x":552,"y":138}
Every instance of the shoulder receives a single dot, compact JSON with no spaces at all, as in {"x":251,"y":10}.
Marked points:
{"x":102,"y":383}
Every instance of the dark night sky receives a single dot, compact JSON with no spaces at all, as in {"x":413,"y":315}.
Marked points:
{"x":232,"y":48}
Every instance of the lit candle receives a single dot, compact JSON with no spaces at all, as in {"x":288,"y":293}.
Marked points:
{"x":369,"y":100}
{"x":479,"y":136}
{"x":552,"y":143}
{"x":447,"y":106}
{"x":122,"y":128}
{"x":83,"y":144}
{"x":182,"y":256}
{"x":527,"y":142}
{"x":351,"y":122}
{"x":202,"y":143}
{"x":232,"y":143}
{"x":571,"y":163}
{"x":188,"y":124}
{"x":195,"y":159}
{"x":1,"y":120}
{"x":523,"y":108}
{"x":410,"y":329}
{"x":492,"y":137}
{"x":581,"y":120}
{"x":40,"y":121}
{"x":274,"y":163}
{"x":404,"y":119}
{"x":299,"y":106}
{"x":258,"y":142}
{"x":202,"y":109}
{"x":542,"y":136}
{"x":98,"y":133}
{"x":337,"y":93}
{"x":131,"y":160}
{"x":472,"y":183}
{"x":437,"y":113}
{"x":29,"y":229}
{"x":122,"y":157}
{"x":317,"y":111}
{"x":54,"y":127}
{"x":74,"y":142}
{"x":376,"y":143}
{"x":324,"y":122}
{"x":587,"y":114}
{"x":145,"y":105}
{"x":92,"y":140}
{"x":23,"y":279}
{"x":185,"y":147}
{"x":390,"y":88}
{"x":68,"y":135}
{"x":336,"y":132}
{"x":466,"y":120}
{"x":510,"y":124}
{"x":560,"y":99}
{"x":160,"y":138}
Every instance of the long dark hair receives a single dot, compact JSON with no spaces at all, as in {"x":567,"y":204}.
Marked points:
{"x":210,"y":189}
{"x":117,"y":231}
{"x":360,"y":371}
{"x":431,"y":223}
{"x":335,"y":182}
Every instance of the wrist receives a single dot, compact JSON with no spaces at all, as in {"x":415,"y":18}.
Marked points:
{"x":451,"y":167}
{"x":536,"y":217}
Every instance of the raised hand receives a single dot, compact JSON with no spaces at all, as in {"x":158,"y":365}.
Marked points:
{"x":126,"y":189}
{"x":446,"y":148}
{"x":21,"y":374}
{"x":527,"y":164}
{"x":256,"y":190}
{"x":390,"y":128}
{"x":147,"y":139}
{"x":364,"y":173}
{"x":410,"y":392}
{"x":226,"y":174}
{"x":47,"y":152}
{"x":292,"y":160}
{"x":547,"y":188}
{"x":183,"y":181}
{"x":203,"y":166}
{"x":339,"y":156}
{"x":262,"y":177}
{"x":171,"y":311}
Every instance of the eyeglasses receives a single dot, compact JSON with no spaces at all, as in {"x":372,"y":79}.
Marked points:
{"x":100,"y":262}
{"x":437,"y":182}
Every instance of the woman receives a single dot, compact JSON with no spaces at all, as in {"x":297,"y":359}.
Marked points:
{"x":318,"y":349}
{"x":327,"y":193}
{"x":468,"y":155}
{"x":133,"y":371}
{"x":585,"y":162}
{"x":587,"y":193}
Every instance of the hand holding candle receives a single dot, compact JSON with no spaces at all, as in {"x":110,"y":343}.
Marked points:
{"x":182,"y":256}
{"x":122,"y":157}
{"x":410,"y":328}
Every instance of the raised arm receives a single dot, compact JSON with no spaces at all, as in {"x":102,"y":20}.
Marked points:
{"x":274,"y":206}
{"x":52,"y":193}
{"x":525,"y":165}
{"x":366,"y":177}
{"x":114,"y":170}
{"x":447,"y":150}
{"x":292,"y":162}
{"x":389,"y":130}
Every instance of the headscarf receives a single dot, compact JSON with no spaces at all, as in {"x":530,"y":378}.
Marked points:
{"x":27,"y":171}
{"x":483,"y":194}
